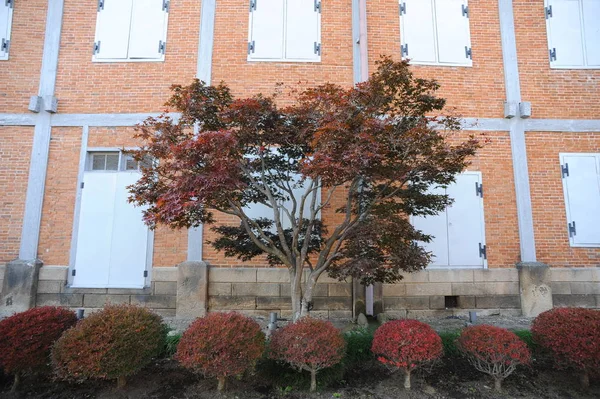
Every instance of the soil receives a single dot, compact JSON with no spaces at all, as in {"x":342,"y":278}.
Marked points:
{"x":452,"y":378}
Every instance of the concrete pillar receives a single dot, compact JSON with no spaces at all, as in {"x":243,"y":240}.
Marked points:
{"x":377,"y":298}
{"x":359,"y":304}
{"x":534,"y":288}
{"x":19,"y":287}
{"x":192,"y":290}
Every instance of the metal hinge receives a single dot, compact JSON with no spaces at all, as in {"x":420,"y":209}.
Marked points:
{"x":252,"y":5}
{"x":552,"y":54}
{"x":317,"y":48}
{"x":97,"y":47}
{"x":465,"y":11}
{"x":564,"y":170}
{"x":251,"y":47}
{"x":145,"y":273}
{"x":479,"y":189}
{"x":162,"y":46}
{"x":9,"y":3}
{"x":82,"y":184}
{"x":318,"y":6}
{"x":572,"y":229}
{"x":482,"y":251}
{"x":404,"y":50}
{"x":5,"y":45}
{"x":100,"y":5}
{"x":468,"y":53}
{"x":549,"y":12}
{"x":73,"y":272}
{"x":402,"y":8}
{"x":166,"y":5}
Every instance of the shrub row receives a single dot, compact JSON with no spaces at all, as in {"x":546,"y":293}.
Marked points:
{"x":120,"y":340}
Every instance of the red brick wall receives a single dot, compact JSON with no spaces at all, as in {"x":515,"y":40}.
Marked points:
{"x":15,"y":150}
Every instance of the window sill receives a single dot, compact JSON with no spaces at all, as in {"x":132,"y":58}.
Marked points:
{"x":416,"y":63}
{"x":128,"y":60}
{"x":573,"y":67}
{"x":283,"y":61}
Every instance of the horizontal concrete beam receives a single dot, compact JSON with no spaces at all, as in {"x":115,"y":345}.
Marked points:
{"x":17,"y":119}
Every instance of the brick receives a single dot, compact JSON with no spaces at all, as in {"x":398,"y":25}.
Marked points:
{"x":231,"y":303}
{"x":239,"y":275}
{"x":155,"y":301}
{"x":219,"y":289}
{"x":343,"y":290}
{"x":57,"y":273}
{"x":99,"y":300}
{"x":256,"y":289}
{"x":391,"y":290}
{"x":72,"y":300}
{"x":405,"y":303}
{"x":421,"y":289}
{"x":165,"y":288}
{"x":498,"y":302}
{"x":496,"y":275}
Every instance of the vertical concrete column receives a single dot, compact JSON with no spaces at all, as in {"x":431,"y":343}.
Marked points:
{"x":359,"y":304}
{"x":19,"y":286}
{"x":192,"y":290}
{"x":534,"y":288}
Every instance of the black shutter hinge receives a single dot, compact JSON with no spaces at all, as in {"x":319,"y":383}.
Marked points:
{"x":402,"y":8}
{"x":5,"y":45}
{"x":82,"y":184}
{"x":465,"y":11}
{"x":404,"y":50}
{"x":482,"y":251}
{"x":100,"y":5}
{"x":97,"y":47}
{"x":9,"y":3}
{"x":162,"y":46}
{"x":251,"y":47}
{"x":552,"y":54}
{"x":479,"y":189}
{"x":318,"y":6}
{"x":468,"y":53}
{"x":549,"y":12}
{"x":145,"y":273}
{"x":317,"y":48}
{"x":73,"y":272}
{"x":252,"y":5}
{"x":572,"y":229}
{"x":564,"y":170}
{"x":166,"y":5}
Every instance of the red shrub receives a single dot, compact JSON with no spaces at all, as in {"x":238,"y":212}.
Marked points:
{"x":308,"y":344}
{"x":115,"y":342}
{"x":406,"y":345}
{"x":221,"y":345}
{"x":572,"y":335}
{"x":494,"y":351}
{"x":27,"y":337}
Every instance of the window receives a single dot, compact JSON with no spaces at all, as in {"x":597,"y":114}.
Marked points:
{"x":436,"y":32}
{"x":573,"y":33}
{"x":581,"y":185}
{"x":131,"y":30}
{"x":6,"y":11}
{"x":285,"y":30}
{"x":459,"y":231}
{"x":112,"y":162}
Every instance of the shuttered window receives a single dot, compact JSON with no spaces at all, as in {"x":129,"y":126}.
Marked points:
{"x":285,"y":30}
{"x":131,"y":30}
{"x":6,"y":11}
{"x":458,"y":231}
{"x":436,"y":32}
{"x":581,"y":185}
{"x":573,"y":33}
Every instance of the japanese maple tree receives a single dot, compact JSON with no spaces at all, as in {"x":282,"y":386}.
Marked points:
{"x":363,"y":157}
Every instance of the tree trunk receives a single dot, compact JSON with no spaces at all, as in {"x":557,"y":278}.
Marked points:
{"x":307,"y":296}
{"x":16,"y":382}
{"x":121,"y":382}
{"x":221,"y":384}
{"x":584,"y":379}
{"x":313,"y":380}
{"x":296,"y":293}
{"x":407,"y":378}
{"x":498,"y":384}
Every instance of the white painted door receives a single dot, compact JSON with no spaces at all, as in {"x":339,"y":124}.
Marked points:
{"x":112,"y":240}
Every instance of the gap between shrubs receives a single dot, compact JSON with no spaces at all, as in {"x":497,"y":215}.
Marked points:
{"x":127,"y":338}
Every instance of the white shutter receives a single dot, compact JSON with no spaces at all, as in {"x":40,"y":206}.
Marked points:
{"x":299,"y":191}
{"x":591,"y":28}
{"x":565,"y":34}
{"x":418,"y":30}
{"x":148,"y":29}
{"x":266,"y":30}
{"x":437,"y":226}
{"x":129,"y":238}
{"x":94,"y":236}
{"x":582,"y":196}
{"x":112,"y":29}
{"x":302,"y":30}
{"x":5,"y":26}
{"x":453,"y":34}
{"x":465,"y":221}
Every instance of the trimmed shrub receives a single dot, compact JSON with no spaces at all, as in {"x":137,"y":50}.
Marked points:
{"x":308,"y":344}
{"x":449,"y":343}
{"x":572,"y":336}
{"x":27,"y":338}
{"x":493,"y":350}
{"x":221,"y":345}
{"x":113,"y":343}
{"x":406,"y":345}
{"x":358,"y":346}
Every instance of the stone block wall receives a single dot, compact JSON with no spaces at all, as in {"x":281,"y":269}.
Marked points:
{"x":258,"y":292}
{"x":576,"y":287}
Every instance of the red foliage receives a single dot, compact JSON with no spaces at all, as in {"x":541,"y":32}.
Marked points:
{"x":113,"y":343}
{"x":308,"y":344}
{"x":27,"y":337}
{"x":221,"y":345}
{"x":572,"y":335}
{"x":406,"y":344}
{"x":493,"y":350}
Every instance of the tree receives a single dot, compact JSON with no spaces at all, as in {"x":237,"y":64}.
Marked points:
{"x":370,"y":153}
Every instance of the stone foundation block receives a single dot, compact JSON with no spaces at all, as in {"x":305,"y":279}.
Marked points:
{"x":437,"y":302}
{"x":332,"y":303}
{"x":405,"y":303}
{"x":226,"y":275}
{"x":428,"y":289}
{"x":99,"y":300}
{"x":466,"y":302}
{"x":68,"y":300}
{"x":272,"y":276}
{"x":219,"y":289}
{"x":340,"y":314}
{"x":164,"y":274}
{"x":495,"y":275}
{"x":319,"y":290}
{"x":498,"y":301}
{"x":274,"y":303}
{"x":19,"y":286}
{"x":231,"y":303}
{"x":56,"y":273}
{"x":343,"y":290}
{"x":391,"y":290}
{"x":454,"y":276}
{"x":255,"y":289}
{"x":155,"y":301}
{"x":579,"y":301}
{"x":534,"y":288}
{"x":191,"y":300}
{"x":49,"y":287}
